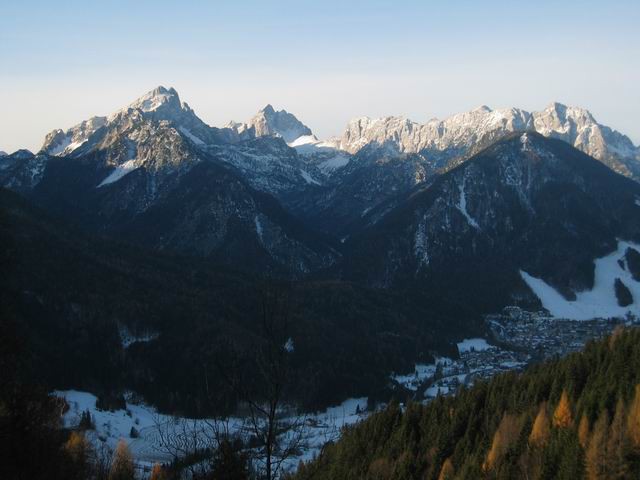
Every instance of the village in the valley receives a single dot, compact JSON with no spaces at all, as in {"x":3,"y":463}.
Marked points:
{"x":516,"y":338}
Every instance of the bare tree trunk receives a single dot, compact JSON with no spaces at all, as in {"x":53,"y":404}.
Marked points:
{"x":279,"y":438}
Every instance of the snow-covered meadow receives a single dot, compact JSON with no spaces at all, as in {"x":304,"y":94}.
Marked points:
{"x":153,"y":428}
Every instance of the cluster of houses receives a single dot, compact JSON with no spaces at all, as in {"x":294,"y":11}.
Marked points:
{"x":516,"y":338}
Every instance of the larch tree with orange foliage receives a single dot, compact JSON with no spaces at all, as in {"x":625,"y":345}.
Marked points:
{"x":540,"y":432}
{"x":562,"y":416}
{"x":505,"y":437}
{"x":531,"y":460}
{"x":617,"y":467}
{"x":158,"y":473}
{"x":447,"y":471}
{"x":633,"y":421}
{"x":79,"y":451}
{"x":122,"y":467}
{"x":583,"y":431}
{"x":596,"y":458}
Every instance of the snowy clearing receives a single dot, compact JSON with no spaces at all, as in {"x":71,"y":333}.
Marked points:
{"x":601,"y":300}
{"x":421,"y":372}
{"x":477,"y":344}
{"x":110,"y":427}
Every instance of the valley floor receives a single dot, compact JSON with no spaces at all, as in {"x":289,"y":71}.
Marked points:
{"x":160,"y":436}
{"x":517,"y":339}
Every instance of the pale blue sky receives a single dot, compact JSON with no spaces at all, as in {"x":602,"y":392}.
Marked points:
{"x":325,"y":61}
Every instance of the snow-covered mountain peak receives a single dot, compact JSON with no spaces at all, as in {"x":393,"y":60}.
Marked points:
{"x":158,"y":105}
{"x":271,"y":122}
{"x":465,"y":133}
{"x":268,"y":109}
{"x":157,"y":98}
{"x":564,"y":113}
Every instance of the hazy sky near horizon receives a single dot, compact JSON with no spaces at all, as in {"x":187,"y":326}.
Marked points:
{"x":325,"y":61}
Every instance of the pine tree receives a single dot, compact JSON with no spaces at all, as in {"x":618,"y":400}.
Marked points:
{"x":122,"y":467}
{"x":562,"y":417}
{"x":447,"y":471}
{"x":596,"y":458}
{"x":583,"y":431}
{"x":86,"y":422}
{"x":570,"y":456}
{"x":540,"y":431}
{"x":381,"y":468}
{"x":617,"y":467}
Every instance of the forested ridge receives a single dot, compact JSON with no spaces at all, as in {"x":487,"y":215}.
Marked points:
{"x":576,"y":417}
{"x":72,"y":294}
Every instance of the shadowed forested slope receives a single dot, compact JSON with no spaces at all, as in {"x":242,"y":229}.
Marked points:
{"x":75,"y":297}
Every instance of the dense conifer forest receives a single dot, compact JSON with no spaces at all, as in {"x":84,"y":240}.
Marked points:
{"x":72,"y":294}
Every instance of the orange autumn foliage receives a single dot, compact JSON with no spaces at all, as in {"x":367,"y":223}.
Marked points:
{"x":633,"y":421}
{"x":540,"y":431}
{"x":596,"y":455}
{"x":447,"y":471}
{"x":158,"y":473}
{"x":504,"y":438}
{"x":583,"y":431}
{"x":562,"y":416}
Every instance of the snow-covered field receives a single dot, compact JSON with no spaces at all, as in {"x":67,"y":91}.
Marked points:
{"x":601,"y":300}
{"x":422,"y":371}
{"x":477,"y":344}
{"x":147,"y":448}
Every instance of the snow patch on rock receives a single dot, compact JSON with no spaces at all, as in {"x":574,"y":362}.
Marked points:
{"x":128,"y":338}
{"x":308,"y":178}
{"x":288,"y":346}
{"x":258,"y":228}
{"x":462,"y":206}
{"x":119,"y":172}
{"x":334,"y":163}
{"x":191,"y":136}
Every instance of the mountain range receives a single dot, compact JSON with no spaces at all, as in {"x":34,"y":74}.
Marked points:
{"x":459,"y":218}
{"x":328,"y":184}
